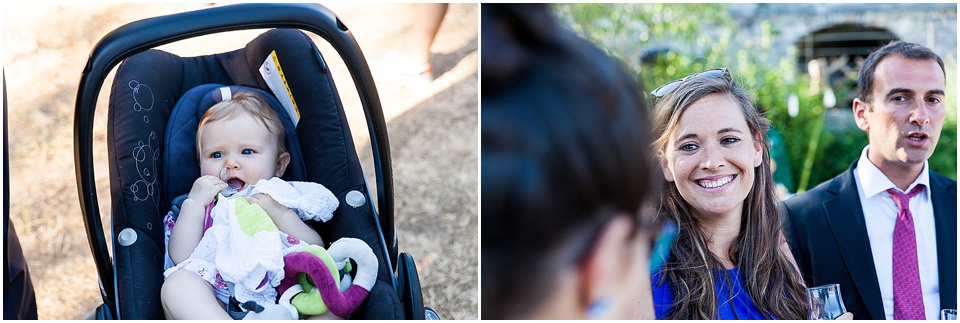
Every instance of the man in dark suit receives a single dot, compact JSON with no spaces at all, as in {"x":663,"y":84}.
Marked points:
{"x":885,"y":229}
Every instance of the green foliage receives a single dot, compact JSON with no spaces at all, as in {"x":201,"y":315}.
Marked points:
{"x":699,"y":37}
{"x":944,"y":159}
{"x":622,"y":30}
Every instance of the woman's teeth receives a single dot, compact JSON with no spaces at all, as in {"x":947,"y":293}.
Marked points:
{"x":715,"y":183}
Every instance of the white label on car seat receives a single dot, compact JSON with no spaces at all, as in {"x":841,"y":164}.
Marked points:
{"x":273,"y":75}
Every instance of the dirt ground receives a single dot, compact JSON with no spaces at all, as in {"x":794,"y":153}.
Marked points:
{"x":432,"y":129}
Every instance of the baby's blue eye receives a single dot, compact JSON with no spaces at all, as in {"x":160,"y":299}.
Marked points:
{"x":247,"y":151}
{"x":216,"y":155}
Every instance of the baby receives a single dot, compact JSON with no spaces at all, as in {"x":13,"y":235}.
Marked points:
{"x":240,"y":142}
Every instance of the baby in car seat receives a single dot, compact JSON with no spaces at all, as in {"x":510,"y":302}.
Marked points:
{"x":218,"y":248}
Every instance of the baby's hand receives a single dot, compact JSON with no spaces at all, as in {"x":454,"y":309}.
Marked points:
{"x":205,"y":189}
{"x":286,"y":219}
{"x":269,"y":205}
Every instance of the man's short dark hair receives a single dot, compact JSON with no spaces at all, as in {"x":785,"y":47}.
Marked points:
{"x":899,"y":48}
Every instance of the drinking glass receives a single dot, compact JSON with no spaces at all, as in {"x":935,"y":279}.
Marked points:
{"x":948,"y":314}
{"x":824,"y":302}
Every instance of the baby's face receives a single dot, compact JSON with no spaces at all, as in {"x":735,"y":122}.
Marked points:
{"x":244,"y":147}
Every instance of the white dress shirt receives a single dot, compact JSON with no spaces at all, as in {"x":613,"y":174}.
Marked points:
{"x":880,"y":216}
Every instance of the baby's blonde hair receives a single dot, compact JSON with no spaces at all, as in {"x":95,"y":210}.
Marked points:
{"x":245,"y":103}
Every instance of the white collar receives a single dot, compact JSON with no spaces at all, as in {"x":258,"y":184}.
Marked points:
{"x":874,"y":182}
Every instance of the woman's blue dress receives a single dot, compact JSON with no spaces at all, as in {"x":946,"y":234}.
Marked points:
{"x":739,"y":306}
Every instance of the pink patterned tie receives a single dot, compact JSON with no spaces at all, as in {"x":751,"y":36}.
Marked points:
{"x":907,"y":295}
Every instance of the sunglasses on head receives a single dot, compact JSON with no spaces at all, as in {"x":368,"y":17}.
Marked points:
{"x":666,"y":88}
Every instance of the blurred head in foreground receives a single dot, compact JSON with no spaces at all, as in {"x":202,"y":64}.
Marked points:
{"x":566,"y":173}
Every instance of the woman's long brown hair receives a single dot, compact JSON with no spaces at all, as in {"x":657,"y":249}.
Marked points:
{"x":768,"y":275}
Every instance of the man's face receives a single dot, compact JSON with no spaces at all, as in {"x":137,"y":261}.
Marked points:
{"x":904,"y":119}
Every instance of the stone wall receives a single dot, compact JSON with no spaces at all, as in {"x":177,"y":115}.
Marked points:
{"x":931,"y":25}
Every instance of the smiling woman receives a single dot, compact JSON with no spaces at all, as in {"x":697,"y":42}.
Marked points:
{"x":710,"y":156}
{"x":730,"y":260}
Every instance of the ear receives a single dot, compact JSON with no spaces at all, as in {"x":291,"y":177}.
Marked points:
{"x":603,"y":271}
{"x":860,"y":114}
{"x":758,"y":146}
{"x":664,"y":165}
{"x":282,"y":162}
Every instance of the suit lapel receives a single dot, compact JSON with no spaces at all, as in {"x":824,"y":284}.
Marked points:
{"x":944,"y":198}
{"x":845,"y":216}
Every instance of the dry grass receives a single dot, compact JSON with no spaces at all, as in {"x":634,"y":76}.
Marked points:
{"x":433,"y":134}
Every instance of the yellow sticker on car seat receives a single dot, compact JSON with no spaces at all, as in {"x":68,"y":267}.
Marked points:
{"x":273,"y":76}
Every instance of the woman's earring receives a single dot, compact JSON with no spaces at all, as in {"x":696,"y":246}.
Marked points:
{"x":599,"y":308}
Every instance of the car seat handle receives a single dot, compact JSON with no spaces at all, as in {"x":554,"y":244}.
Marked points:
{"x":145,"y":34}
